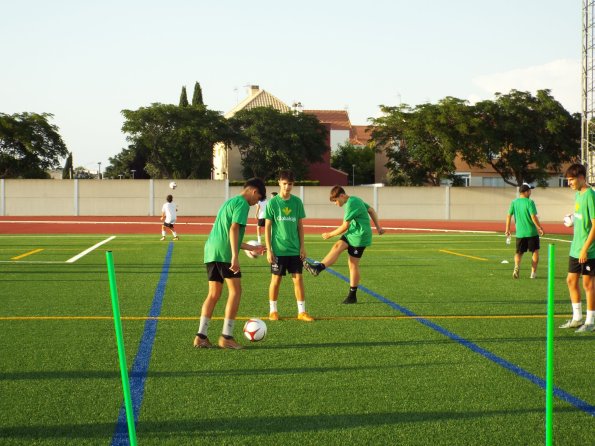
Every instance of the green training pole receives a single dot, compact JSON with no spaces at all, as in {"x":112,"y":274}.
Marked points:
{"x":549,"y":359}
{"x":121,"y":351}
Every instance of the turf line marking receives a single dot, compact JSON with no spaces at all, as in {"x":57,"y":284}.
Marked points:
{"x":561,"y":394}
{"x":35,"y":251}
{"x":140,"y":366}
{"x":92,"y":248}
{"x":461,"y":255}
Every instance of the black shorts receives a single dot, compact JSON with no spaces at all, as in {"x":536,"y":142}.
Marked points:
{"x":287,"y":264}
{"x":261,"y":222}
{"x":525,"y":244}
{"x":168,"y":225}
{"x":586,"y":269}
{"x":354,"y":251}
{"x":218,"y":271}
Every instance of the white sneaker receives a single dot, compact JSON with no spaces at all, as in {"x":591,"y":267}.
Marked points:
{"x":515,"y":272}
{"x":571,"y":323}
{"x":533,"y":275}
{"x":585,"y":328}
{"x":162,"y":238}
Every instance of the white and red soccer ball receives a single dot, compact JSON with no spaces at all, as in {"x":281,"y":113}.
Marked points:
{"x":568,"y":220}
{"x":255,"y":330}
{"x":173,"y":185}
{"x":252,"y":254}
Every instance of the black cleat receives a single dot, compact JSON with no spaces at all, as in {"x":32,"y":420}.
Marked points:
{"x":350,"y":300}
{"x":311,"y":268}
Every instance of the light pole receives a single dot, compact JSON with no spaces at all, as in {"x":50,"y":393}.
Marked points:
{"x":120,"y":176}
{"x":99,"y":171}
{"x":353,"y":174}
{"x":132,"y":170}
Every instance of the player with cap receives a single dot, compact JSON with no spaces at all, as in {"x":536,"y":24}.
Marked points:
{"x":528,"y":229}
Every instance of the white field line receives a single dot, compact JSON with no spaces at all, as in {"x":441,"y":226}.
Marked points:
{"x":88,"y":250}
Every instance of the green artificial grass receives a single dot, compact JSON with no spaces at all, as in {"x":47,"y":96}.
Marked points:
{"x":361,"y":374}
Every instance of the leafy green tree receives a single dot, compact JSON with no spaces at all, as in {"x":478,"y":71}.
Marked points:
{"x":348,"y":155}
{"x":29,"y":145}
{"x":178,"y":140}
{"x":183,"y":97}
{"x":197,"y":95}
{"x":522,"y":137}
{"x":421,"y":142}
{"x":67,"y":170}
{"x":83,"y":173}
{"x":135,"y":157}
{"x":270,"y":140}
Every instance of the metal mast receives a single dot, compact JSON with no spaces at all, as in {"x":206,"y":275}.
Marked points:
{"x":588,"y":79}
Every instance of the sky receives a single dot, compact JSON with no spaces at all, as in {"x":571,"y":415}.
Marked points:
{"x":85,"y":62}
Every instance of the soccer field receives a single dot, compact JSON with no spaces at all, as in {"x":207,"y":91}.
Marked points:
{"x":443,"y":348}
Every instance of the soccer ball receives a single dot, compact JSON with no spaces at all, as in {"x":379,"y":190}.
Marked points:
{"x":173,"y":185}
{"x":568,"y":220}
{"x":249,"y":253}
{"x":255,"y":330}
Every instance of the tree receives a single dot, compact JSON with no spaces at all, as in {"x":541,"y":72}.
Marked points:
{"x":421,"y":142}
{"x":523,"y":137}
{"x":67,"y":170}
{"x":183,"y":97}
{"x":135,"y":157}
{"x":348,"y":155}
{"x":178,"y":140}
{"x":29,"y":145}
{"x":270,"y":140}
{"x":197,"y":95}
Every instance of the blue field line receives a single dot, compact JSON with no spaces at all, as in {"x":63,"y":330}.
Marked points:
{"x":138,"y":374}
{"x":561,"y":394}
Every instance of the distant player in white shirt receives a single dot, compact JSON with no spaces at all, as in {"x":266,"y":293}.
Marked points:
{"x":261,"y":207}
{"x":168,"y":217}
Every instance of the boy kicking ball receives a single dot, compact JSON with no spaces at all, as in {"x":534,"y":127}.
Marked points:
{"x":357,"y":235}
{"x":582,"y":251}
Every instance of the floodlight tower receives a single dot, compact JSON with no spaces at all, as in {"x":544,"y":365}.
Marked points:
{"x":588,"y":87}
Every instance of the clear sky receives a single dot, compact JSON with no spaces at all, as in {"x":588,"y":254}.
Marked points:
{"x":86,"y":61}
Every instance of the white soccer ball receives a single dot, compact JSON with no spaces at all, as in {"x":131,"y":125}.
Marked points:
{"x":255,"y":330}
{"x":173,"y":185}
{"x":249,"y":253}
{"x":568,"y":220}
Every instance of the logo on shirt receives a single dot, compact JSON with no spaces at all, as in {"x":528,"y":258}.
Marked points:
{"x":286,"y":210}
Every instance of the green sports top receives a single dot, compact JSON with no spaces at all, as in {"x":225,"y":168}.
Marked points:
{"x":522,"y":209}
{"x":217,"y":246}
{"x":359,"y":233}
{"x":584,"y":213}
{"x":285,"y":216}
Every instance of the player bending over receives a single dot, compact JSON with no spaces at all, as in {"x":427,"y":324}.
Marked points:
{"x":357,"y":235}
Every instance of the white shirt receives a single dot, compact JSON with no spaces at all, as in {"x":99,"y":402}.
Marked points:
{"x":170,"y":212}
{"x":262,"y":207}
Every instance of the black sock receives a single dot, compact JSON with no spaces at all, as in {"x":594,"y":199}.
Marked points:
{"x":352,"y":291}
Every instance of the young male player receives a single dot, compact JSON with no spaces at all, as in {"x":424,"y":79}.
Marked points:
{"x":528,"y":229}
{"x":357,"y":235}
{"x":168,"y":217}
{"x":284,"y":236}
{"x":221,"y":256}
{"x":582,"y":250}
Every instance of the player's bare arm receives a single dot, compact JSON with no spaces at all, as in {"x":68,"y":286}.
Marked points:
{"x":374,"y":217}
{"x":583,"y":255}
{"x":303,"y":254}
{"x":508,"y":220}
{"x":268,"y":228}
{"x":537,"y":224}
{"x":234,"y":237}
{"x":338,"y":231}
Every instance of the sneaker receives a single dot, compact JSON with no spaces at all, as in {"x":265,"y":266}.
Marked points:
{"x":162,"y":238}
{"x":585,"y":328}
{"x":311,"y":268}
{"x":202,"y":343}
{"x":305,"y":317}
{"x":229,"y":343}
{"x":515,"y":272}
{"x":350,"y":300}
{"x":176,"y":238}
{"x":571,"y":323}
{"x":274,"y":316}
{"x":533,"y":275}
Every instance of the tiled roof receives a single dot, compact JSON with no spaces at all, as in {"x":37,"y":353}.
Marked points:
{"x":360,"y":135}
{"x":261,"y":98}
{"x":338,"y":119}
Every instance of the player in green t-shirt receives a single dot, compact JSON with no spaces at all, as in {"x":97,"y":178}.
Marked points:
{"x":284,"y":236}
{"x":528,"y":229}
{"x":221,"y":256}
{"x":582,"y":250}
{"x":357,"y":235}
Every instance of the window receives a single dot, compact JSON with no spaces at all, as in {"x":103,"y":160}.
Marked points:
{"x":562,"y":182}
{"x":492,"y":182}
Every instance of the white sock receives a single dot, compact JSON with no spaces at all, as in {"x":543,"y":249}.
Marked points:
{"x":273,"y":306}
{"x":228,"y":327}
{"x":590,"y":317}
{"x":259,"y":239}
{"x":203,"y":328}
{"x":577,"y":312}
{"x":163,"y":233}
{"x":301,"y":306}
{"x":174,"y":233}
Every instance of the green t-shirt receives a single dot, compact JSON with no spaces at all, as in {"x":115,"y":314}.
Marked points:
{"x":584,"y":212}
{"x":285,"y":216}
{"x":359,"y":233}
{"x":217,"y":247}
{"x":522,"y":209}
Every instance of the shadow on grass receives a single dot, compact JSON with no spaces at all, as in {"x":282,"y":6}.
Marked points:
{"x":264,"y":425}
